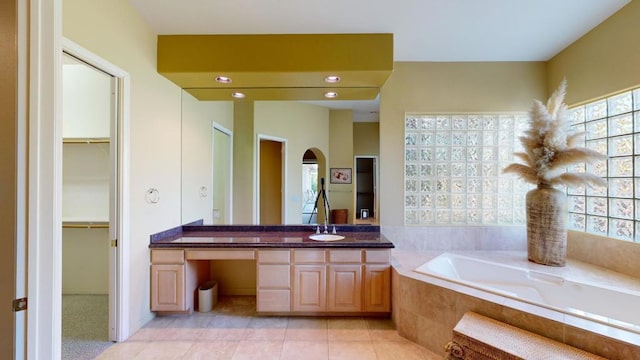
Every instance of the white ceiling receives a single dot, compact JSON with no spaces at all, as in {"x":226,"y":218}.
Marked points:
{"x":424,"y":30}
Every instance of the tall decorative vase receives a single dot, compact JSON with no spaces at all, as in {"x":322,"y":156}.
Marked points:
{"x":547,"y":226}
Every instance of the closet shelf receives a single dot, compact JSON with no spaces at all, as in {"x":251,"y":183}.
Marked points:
{"x":85,"y":141}
{"x":85,"y":224}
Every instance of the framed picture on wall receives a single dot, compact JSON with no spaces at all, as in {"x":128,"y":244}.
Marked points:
{"x":340,"y":176}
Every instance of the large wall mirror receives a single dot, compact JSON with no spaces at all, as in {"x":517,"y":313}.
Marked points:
{"x":221,"y":138}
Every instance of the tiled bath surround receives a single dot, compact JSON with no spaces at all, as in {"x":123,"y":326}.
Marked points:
{"x":426,"y":312}
{"x":612,"y":254}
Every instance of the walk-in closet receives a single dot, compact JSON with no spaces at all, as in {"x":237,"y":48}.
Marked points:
{"x":88,"y":113}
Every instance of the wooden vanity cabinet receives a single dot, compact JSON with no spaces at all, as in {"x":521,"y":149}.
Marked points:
{"x":168,"y":281}
{"x":341,"y":281}
{"x":313,"y":281}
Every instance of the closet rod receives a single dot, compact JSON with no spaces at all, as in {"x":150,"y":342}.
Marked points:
{"x":85,"y":225}
{"x":86,"y":141}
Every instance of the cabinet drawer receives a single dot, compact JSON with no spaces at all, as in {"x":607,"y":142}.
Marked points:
{"x":377,"y":256}
{"x":220,"y":255}
{"x":345,"y":256}
{"x":309,"y":256}
{"x":274,"y":256}
{"x":274,"y":276}
{"x":274,"y":300}
{"x":167,"y":256}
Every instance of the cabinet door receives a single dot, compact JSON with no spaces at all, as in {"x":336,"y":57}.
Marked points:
{"x":167,"y":288}
{"x":309,"y":288}
{"x":345,"y":288}
{"x":377,"y":288}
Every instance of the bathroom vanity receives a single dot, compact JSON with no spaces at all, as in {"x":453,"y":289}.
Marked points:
{"x":295,"y":275}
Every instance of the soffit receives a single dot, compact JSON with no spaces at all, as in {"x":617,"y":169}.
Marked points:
{"x":277,"y":67}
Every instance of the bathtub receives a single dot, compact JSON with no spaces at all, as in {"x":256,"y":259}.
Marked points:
{"x":607,"y":305}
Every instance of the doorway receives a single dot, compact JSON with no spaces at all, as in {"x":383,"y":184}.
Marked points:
{"x":91,"y":204}
{"x":271,"y":184}
{"x":366,"y":190}
{"x":309,"y":187}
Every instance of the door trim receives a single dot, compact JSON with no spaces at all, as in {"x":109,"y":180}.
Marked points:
{"x":44,"y":182}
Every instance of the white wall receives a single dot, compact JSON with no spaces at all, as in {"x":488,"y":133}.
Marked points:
{"x":86,"y":106}
{"x":114,"y":31}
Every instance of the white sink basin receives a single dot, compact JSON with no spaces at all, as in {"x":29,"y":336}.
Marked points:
{"x":326,"y":237}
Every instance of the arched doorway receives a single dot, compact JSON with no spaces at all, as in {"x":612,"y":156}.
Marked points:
{"x":313,"y":173}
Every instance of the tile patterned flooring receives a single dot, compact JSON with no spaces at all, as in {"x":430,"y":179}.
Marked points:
{"x":234,"y":331}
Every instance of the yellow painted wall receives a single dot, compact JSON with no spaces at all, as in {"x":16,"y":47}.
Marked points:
{"x":197,"y":157}
{"x":604,"y":61}
{"x":366,"y":138}
{"x":234,"y":277}
{"x":444,"y":87}
{"x":113,"y":30}
{"x":303,"y":126}
{"x":341,"y":156}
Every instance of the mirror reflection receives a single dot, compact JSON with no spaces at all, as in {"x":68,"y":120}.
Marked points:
{"x":263,"y":162}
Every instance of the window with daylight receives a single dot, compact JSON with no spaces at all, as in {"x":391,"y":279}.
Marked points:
{"x":612,"y":127}
{"x":453,"y":166}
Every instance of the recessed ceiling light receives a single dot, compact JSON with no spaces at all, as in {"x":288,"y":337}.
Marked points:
{"x":332,"y":79}
{"x":238,"y":95}
{"x":223,"y":79}
{"x":331,"y":94}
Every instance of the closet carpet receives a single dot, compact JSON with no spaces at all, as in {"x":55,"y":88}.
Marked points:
{"x":85,"y":326}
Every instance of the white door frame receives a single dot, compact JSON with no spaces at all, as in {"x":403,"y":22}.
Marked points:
{"x":256,"y":177}
{"x":228,"y":132}
{"x":44,"y":182}
{"x":119,"y":217}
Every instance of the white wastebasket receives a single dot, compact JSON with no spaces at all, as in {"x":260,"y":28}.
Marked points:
{"x":207,"y":296}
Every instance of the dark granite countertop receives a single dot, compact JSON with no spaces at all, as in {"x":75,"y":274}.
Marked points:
{"x":257,"y":236}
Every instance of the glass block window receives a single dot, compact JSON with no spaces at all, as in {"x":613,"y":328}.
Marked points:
{"x":453,"y":166}
{"x":612,"y":127}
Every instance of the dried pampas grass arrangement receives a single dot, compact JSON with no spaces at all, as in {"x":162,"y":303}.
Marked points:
{"x":549,"y":147}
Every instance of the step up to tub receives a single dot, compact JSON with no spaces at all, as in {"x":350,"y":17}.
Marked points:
{"x":479,"y":337}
